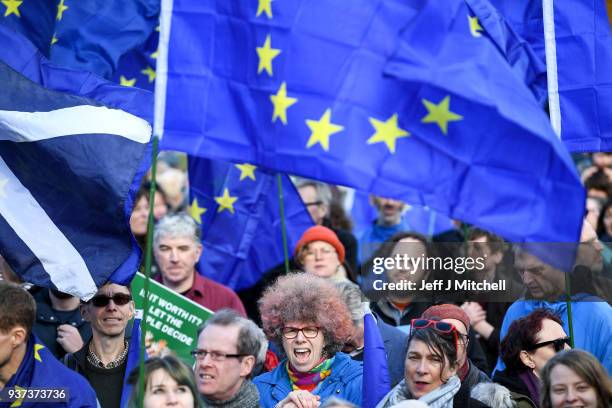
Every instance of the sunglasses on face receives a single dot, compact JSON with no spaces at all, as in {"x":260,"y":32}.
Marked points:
{"x":558,"y":344}
{"x":120,"y":299}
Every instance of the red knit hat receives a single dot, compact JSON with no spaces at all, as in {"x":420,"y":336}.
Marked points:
{"x":320,"y":233}
{"x":447,"y":311}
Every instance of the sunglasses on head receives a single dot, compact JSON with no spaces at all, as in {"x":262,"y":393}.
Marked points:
{"x":119,"y":299}
{"x":440,"y":327}
{"x":558,"y":344}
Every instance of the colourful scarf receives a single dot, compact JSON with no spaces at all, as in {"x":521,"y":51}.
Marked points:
{"x":309,"y":380}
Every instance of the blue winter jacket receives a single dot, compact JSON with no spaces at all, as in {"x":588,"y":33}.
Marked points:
{"x":592,"y":323}
{"x":343,"y":382}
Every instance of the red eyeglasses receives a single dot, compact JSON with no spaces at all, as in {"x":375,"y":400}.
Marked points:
{"x":441,"y":327}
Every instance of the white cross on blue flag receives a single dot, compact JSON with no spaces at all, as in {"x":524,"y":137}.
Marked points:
{"x":73,"y":150}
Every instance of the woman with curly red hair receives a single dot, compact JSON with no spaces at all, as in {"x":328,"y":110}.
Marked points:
{"x":305,"y":316}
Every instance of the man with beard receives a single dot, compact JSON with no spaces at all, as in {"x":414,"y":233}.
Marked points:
{"x":103,"y":360}
{"x":59,"y":323}
{"x":387,"y":224}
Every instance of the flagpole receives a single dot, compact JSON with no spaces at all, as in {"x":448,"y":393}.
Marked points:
{"x":281,"y":206}
{"x":568,"y":302}
{"x":148,"y":259}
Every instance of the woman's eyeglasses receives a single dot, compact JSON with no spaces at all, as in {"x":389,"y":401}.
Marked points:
{"x":558,"y":344}
{"x":308,"y":332}
{"x":120,"y":299}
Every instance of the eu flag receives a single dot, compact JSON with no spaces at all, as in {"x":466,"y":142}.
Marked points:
{"x":376,"y":382}
{"x":237,"y":207}
{"x":89,"y":35}
{"x":402,"y":100}
{"x":73,"y":150}
{"x":580,"y":86}
{"x":39,"y":369}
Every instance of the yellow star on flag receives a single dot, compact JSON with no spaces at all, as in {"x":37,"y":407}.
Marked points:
{"x":127,"y":82}
{"x":196,"y":211}
{"x":2,"y":185}
{"x":12,"y":7}
{"x":322,"y":129}
{"x":246,"y":170}
{"x":226,"y":202}
{"x":264,"y":6}
{"x":387,"y":132}
{"x":149,"y":72}
{"x":154,"y":54}
{"x":37,"y":348}
{"x":440,"y":114}
{"x":60,"y":10}
{"x":53,"y":39}
{"x":266,"y":54}
{"x":475,"y":27}
{"x":281,"y":102}
{"x":19,"y":401}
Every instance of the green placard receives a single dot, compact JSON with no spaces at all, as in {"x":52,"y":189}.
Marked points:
{"x":172,"y":320}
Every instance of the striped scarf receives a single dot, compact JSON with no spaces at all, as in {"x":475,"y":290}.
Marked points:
{"x":309,"y":380}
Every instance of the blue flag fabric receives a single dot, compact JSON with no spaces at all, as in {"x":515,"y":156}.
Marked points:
{"x":415,"y":218}
{"x":40,"y":369}
{"x":376,"y":382}
{"x":72,"y":155}
{"x":133,"y":358}
{"x":583,"y":42}
{"x":89,"y":35}
{"x":237,"y":207}
{"x":354,"y":93}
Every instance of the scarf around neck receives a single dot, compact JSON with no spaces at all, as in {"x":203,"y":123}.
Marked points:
{"x":246,"y":397}
{"x":309,"y":380}
{"x":441,"y":397}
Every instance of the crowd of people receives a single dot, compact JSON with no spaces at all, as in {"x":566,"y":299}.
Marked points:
{"x":296,"y":339}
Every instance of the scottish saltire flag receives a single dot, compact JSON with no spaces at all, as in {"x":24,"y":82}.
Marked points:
{"x":103,"y":37}
{"x":39,"y":369}
{"x":579,"y":57}
{"x":133,"y":358}
{"x":237,"y":207}
{"x":402,"y":100}
{"x":376,"y":382}
{"x":73,"y":150}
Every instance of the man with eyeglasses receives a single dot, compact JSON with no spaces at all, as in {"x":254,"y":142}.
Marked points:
{"x":103,"y":360}
{"x":591,"y":316}
{"x":230,"y":351}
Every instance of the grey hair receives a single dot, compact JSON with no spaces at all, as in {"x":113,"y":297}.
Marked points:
{"x":251,"y":339}
{"x":335,"y":402}
{"x":493,"y":395}
{"x":323,"y":191}
{"x":353,"y":297}
{"x":177,"y":225}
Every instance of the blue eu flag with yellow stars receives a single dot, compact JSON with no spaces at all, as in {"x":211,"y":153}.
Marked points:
{"x":237,"y":208}
{"x":40,"y":370}
{"x":581,"y":79}
{"x":115,"y":39}
{"x":402,"y":100}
